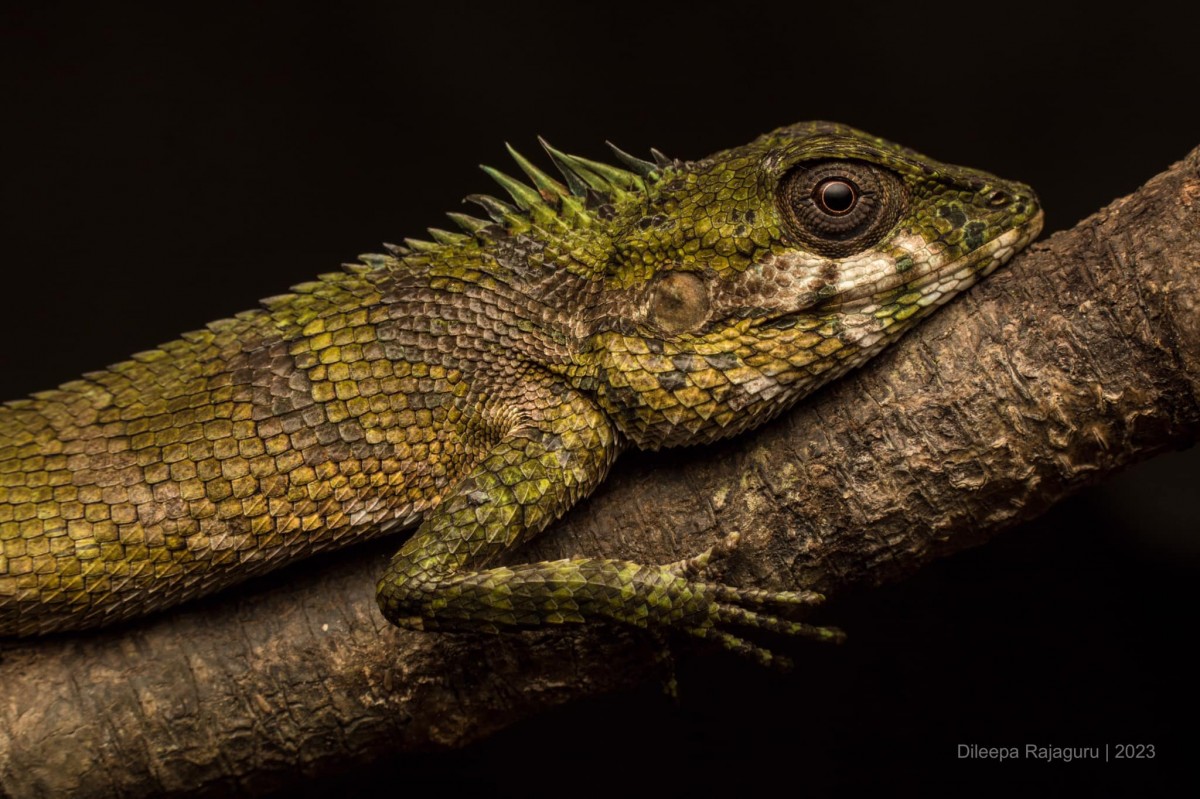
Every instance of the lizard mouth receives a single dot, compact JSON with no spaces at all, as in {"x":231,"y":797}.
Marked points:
{"x":963,"y":271}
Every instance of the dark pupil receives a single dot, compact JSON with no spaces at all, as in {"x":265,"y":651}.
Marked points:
{"x":836,"y":196}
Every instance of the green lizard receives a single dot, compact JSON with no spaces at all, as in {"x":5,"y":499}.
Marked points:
{"x":481,"y":383}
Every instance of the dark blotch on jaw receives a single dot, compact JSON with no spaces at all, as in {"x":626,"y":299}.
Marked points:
{"x":974,"y":235}
{"x":953,"y":214}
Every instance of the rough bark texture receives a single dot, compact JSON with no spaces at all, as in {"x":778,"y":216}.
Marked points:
{"x":1081,"y":357}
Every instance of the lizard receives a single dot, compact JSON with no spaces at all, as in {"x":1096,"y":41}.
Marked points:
{"x":478,"y":384}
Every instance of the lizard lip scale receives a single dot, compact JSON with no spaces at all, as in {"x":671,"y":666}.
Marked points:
{"x":980,"y":263}
{"x":478,"y":385}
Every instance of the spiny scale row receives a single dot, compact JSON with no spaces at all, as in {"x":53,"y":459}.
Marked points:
{"x":548,"y":204}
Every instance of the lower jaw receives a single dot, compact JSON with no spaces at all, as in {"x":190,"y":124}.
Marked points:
{"x":968,"y":269}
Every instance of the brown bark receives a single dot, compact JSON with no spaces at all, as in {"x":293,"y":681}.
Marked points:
{"x":1081,"y":357}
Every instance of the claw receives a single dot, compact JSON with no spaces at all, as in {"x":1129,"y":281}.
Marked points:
{"x":670,"y":683}
{"x":747,"y":607}
{"x":691,"y":567}
{"x":727,"y":544}
{"x":732,"y":614}
{"x":741,"y":646}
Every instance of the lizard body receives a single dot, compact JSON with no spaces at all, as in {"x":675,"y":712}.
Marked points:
{"x":480,"y":384}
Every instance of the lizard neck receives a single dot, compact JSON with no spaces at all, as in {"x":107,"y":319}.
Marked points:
{"x":513,"y":303}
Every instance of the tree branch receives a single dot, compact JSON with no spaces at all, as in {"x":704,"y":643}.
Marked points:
{"x":1081,"y":357}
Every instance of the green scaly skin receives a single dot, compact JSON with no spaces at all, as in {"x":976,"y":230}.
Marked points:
{"x":482,"y":383}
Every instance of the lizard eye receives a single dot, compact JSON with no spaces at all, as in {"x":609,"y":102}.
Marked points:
{"x":836,"y":196}
{"x":837,"y":208}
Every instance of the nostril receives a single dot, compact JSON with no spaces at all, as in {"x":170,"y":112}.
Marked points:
{"x":998,"y":197}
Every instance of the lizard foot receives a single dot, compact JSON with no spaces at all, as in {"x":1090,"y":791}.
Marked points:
{"x":715,"y":607}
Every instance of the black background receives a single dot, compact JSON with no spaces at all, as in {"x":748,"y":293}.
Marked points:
{"x":165,"y":168}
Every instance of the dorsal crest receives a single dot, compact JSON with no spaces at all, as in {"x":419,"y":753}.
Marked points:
{"x":561,"y":209}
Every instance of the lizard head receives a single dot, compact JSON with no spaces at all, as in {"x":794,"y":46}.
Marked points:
{"x":716,"y":293}
{"x":737,"y":284}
